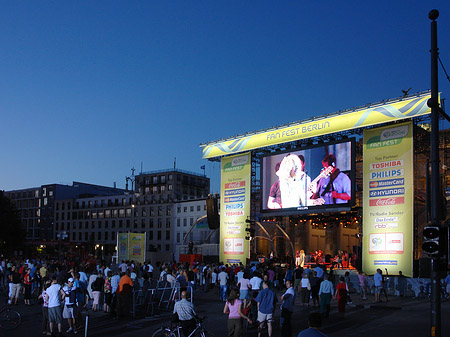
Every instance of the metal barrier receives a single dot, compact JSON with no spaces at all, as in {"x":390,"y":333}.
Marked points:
{"x":163,"y":297}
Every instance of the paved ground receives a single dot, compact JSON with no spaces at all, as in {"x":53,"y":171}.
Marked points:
{"x":398,"y":317}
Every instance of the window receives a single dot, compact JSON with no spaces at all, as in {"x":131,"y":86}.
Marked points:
{"x":178,"y":237}
{"x":178,"y":222}
{"x":170,"y":177}
{"x":152,"y":211}
{"x":163,"y":179}
{"x":170,"y":187}
{"x":163,"y":188}
{"x":128,"y":212}
{"x":113,"y":235}
{"x":178,"y":209}
{"x":184,"y":222}
{"x":159,"y":235}
{"x":113,"y":223}
{"x":155,"y":189}
{"x":107,"y":213}
{"x":106,"y":223}
{"x":168,"y":210}
{"x":121,"y":213}
{"x":115,"y":213}
{"x":120,"y":223}
{"x":192,"y":208}
{"x":159,"y":222}
{"x":150,"y":222}
{"x":167,"y":235}
{"x":167,"y":248}
{"x":106,"y":235}
{"x":155,"y":180}
{"x":167,"y":222}
{"x":198,"y":208}
{"x":143,"y":223}
{"x":128,"y":223}
{"x":160,"y":210}
{"x":144,"y":211}
{"x":99,"y":236}
{"x":185,"y":209}
{"x":191,"y":221}
{"x":150,"y":235}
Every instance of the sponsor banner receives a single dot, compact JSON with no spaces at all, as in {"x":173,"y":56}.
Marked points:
{"x":235,"y":208}
{"x":388,"y":193}
{"x":377,"y":114}
{"x":387,"y":183}
{"x":131,"y":246}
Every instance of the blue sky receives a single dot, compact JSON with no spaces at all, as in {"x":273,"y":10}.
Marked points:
{"x":89,"y":89}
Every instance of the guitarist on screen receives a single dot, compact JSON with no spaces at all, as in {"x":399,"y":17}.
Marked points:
{"x":334,"y":188}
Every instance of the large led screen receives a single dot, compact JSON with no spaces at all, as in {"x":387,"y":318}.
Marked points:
{"x":311,"y":179}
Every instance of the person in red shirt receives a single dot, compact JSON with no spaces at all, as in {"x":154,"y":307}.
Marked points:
{"x":341,"y":294}
{"x":27,"y":279}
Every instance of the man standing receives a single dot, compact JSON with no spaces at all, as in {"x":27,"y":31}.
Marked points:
{"x":124,"y":295}
{"x":255,"y":282}
{"x":266,"y":300}
{"x":325,"y":294}
{"x":223,"y":279}
{"x":54,"y":306}
{"x":378,"y":283}
{"x":287,"y":308}
{"x":186,"y":314}
{"x":70,"y":312}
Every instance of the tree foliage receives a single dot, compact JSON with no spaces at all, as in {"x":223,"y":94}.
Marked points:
{"x":12,"y":233}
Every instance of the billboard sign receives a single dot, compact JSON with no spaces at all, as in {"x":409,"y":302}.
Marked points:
{"x":358,"y":118}
{"x":235,"y":208}
{"x":388,"y":197}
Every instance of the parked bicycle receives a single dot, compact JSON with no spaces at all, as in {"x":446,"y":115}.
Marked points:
{"x":199,"y":331}
{"x":9,"y":319}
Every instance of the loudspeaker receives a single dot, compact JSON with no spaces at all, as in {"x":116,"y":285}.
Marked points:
{"x":212,"y":213}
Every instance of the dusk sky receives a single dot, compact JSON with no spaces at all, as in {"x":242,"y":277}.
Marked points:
{"x":90,"y":89}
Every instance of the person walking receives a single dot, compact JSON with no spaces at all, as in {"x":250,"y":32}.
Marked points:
{"x":341,"y":295}
{"x":27,"y":280}
{"x":44,"y":298}
{"x":97,"y":290}
{"x":233,"y":307}
{"x":287,"y":309}
{"x":305,"y":290}
{"x":70,"y":312}
{"x":325,"y":294}
{"x":266,"y":300}
{"x":223,"y":279}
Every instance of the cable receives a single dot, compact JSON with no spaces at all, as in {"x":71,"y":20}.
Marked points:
{"x":445,"y":71}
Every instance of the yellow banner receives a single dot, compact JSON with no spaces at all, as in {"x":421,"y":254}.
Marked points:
{"x":388,"y":199}
{"x":407,"y":108}
{"x":136,"y":247}
{"x":235,"y":208}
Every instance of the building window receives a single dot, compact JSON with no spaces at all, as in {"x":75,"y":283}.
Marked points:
{"x":167,"y":248}
{"x":106,"y":235}
{"x":185,"y":209}
{"x":167,"y":235}
{"x":159,"y":235}
{"x":167,"y":222}
{"x":143,"y":223}
{"x":155,"y":189}
{"x":106,"y":223}
{"x":168,"y":210}
{"x":178,"y":222}
{"x":178,"y":237}
{"x":150,"y":222}
{"x":184,"y":222}
{"x":99,"y":236}
{"x":160,"y":210}
{"x":178,"y":209}
{"x":163,"y":188}
{"x":198,"y":208}
{"x":159,"y":222}
{"x":192,"y":208}
{"x":121,"y":213}
{"x":150,"y":235}
{"x":155,"y":180}
{"x":113,"y":223}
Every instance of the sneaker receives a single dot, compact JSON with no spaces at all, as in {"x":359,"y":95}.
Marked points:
{"x":69,"y":330}
{"x":75,"y":331}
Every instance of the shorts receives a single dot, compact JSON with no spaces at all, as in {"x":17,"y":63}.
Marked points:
{"x":54,"y":315}
{"x":378,"y":289}
{"x":243,"y":294}
{"x":70,"y":312}
{"x":264,"y":317}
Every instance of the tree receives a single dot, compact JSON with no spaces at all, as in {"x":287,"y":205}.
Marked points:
{"x":12,"y":234}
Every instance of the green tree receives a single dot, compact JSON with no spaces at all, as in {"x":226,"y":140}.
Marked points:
{"x":12,"y":234}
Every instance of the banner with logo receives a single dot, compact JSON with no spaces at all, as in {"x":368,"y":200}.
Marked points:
{"x":136,"y":247}
{"x":122,"y":246}
{"x":376,"y":114}
{"x":388,"y":199}
{"x":131,"y":246}
{"x":235,"y":208}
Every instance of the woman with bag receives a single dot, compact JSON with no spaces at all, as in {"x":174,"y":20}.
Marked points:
{"x":233,"y":307}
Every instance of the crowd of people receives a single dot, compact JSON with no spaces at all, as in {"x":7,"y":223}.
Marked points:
{"x":66,"y":288}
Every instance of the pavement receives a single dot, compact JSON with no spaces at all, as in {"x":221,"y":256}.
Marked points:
{"x":400,"y":316}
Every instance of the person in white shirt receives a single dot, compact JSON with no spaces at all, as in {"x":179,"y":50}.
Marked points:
{"x":223,"y":279}
{"x":54,"y":305}
{"x":70,"y":305}
{"x":150,"y":270}
{"x":255,"y":282}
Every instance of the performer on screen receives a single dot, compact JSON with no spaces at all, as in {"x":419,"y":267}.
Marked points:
{"x":274,"y":201}
{"x":293,"y":181}
{"x":334,"y":188}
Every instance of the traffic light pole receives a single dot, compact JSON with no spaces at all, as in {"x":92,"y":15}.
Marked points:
{"x":436,"y":217}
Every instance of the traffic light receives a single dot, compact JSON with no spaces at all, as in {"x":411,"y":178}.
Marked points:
{"x":431,"y":240}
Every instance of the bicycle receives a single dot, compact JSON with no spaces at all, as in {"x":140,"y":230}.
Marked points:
{"x":9,"y":319}
{"x":199,"y":331}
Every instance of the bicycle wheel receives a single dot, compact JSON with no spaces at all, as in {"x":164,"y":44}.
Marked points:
{"x":163,"y":332}
{"x":10,"y":319}
{"x":203,"y":333}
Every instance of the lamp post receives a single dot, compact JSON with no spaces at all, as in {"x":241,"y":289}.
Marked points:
{"x":436,"y":216}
